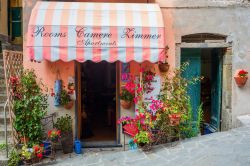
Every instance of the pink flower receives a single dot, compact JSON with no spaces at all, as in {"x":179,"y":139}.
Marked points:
{"x":135,"y":100}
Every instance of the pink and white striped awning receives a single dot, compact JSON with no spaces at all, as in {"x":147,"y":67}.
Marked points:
{"x":96,"y":31}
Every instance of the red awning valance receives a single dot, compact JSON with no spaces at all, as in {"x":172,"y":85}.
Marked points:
{"x":96,"y":31}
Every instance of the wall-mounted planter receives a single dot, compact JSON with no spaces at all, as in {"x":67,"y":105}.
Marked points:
{"x":240,"y":81}
{"x":125,"y":104}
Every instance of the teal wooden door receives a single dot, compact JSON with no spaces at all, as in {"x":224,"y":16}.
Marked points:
{"x":193,"y":57}
{"x":216,"y":80}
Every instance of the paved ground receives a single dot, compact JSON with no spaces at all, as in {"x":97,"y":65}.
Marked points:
{"x":230,"y":148}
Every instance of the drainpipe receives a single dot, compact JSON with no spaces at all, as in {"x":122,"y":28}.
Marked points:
{"x":5,"y":132}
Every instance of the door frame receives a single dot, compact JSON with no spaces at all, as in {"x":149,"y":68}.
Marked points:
{"x":226,"y":98}
{"x":78,"y":107}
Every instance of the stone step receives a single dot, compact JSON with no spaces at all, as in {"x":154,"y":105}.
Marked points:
{"x":2,"y":131}
{"x":2,"y":81}
{"x":1,"y":107}
{"x":3,"y":98}
{"x":2,"y":118}
{"x":2,"y":89}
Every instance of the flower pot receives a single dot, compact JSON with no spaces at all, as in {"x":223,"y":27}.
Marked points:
{"x":174,"y":119}
{"x":67,"y":143}
{"x":163,"y":67}
{"x":71,"y":87}
{"x":24,"y":140}
{"x":47,"y":148}
{"x":31,"y":161}
{"x":125,"y":104}
{"x":240,"y":81}
{"x":69,"y":105}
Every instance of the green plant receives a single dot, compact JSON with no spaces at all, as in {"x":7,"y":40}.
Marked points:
{"x":30,"y":104}
{"x":14,"y":158}
{"x":3,"y":146}
{"x":142,"y":137}
{"x":64,"y":97}
{"x":27,"y":153}
{"x":126,"y":95}
{"x":64,"y":124}
{"x":191,"y":127}
{"x":174,"y":95}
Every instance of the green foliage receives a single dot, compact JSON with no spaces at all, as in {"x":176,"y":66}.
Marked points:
{"x":64,"y":97}
{"x":14,"y":158}
{"x":174,"y":94}
{"x":3,"y":146}
{"x":191,"y":127}
{"x":142,"y":137}
{"x":126,"y":95}
{"x":30,"y":107}
{"x":64,"y":124}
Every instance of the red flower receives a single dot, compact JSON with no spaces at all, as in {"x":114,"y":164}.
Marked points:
{"x":49,"y":133}
{"x":242,"y":73}
{"x":135,"y":140}
{"x":39,"y":155}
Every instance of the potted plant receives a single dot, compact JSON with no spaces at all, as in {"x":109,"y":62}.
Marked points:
{"x":163,"y":67}
{"x":126,"y":99}
{"x":142,"y":138}
{"x":66,"y":100}
{"x":174,"y":119}
{"x":71,"y":86}
{"x":54,"y":135}
{"x":27,"y":155}
{"x":64,"y":124}
{"x":241,"y":78}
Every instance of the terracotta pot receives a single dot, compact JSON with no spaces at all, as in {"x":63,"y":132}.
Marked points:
{"x":163,"y":67}
{"x":125,"y":104}
{"x":69,"y":105}
{"x":71,"y":87}
{"x":67,"y":143}
{"x":174,"y":119}
{"x":24,"y":140}
{"x":240,"y":81}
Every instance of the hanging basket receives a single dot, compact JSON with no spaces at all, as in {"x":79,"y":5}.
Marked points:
{"x":69,"y":105}
{"x":125,"y":104}
{"x":240,"y":81}
{"x":174,"y":119}
{"x":163,"y":67}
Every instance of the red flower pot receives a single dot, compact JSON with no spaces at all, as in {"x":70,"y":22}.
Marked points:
{"x":174,"y":119}
{"x":125,"y":104}
{"x":69,"y":105}
{"x":240,"y":81}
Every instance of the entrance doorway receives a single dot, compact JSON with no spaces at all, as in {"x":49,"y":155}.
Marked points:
{"x":205,"y":62}
{"x":98,"y":103}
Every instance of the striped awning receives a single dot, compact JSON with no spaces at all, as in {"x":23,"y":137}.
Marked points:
{"x":96,"y":31}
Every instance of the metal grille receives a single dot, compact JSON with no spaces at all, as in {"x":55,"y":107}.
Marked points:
{"x":13,"y":66}
{"x":202,"y":38}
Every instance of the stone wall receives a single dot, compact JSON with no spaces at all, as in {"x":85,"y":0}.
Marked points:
{"x":231,"y":19}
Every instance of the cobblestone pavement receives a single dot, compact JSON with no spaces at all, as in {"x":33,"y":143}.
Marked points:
{"x":231,"y":148}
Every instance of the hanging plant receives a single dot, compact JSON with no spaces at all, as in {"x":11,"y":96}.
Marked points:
{"x":164,"y":66}
{"x":241,"y":78}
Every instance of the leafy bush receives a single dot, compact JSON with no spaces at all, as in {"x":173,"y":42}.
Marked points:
{"x":64,"y":124}
{"x":30,"y":104}
{"x":14,"y":158}
{"x":174,"y":94}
